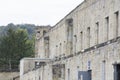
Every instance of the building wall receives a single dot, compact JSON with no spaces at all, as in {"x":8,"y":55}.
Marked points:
{"x":87,"y":39}
{"x":90,"y":14}
{"x":79,"y":62}
{"x":40,"y":32}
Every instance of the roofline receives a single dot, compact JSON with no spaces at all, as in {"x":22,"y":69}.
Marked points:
{"x":69,"y":13}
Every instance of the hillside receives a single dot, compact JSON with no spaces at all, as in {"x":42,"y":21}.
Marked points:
{"x":29,"y":27}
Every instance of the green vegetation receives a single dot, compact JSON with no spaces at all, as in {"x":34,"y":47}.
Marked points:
{"x":15,"y":43}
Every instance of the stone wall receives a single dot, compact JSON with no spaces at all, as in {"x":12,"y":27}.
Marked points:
{"x":8,"y":75}
{"x":86,"y":41}
{"x":99,"y":16}
{"x":99,"y":61}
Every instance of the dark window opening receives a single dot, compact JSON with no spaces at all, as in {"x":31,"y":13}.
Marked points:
{"x":85,"y":75}
{"x":38,"y":31}
{"x":103,"y":70}
{"x":70,"y":35}
{"x":97,"y":32}
{"x":117,"y":72}
{"x":70,"y":22}
{"x":68,"y":74}
{"x":117,"y":23}
{"x":81,"y":39}
{"x":44,"y":32}
{"x":75,"y":42}
{"x":46,"y":43}
{"x":88,"y":37}
{"x":107,"y":27}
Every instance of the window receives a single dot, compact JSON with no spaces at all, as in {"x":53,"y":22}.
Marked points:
{"x":56,"y":50}
{"x":70,"y":35}
{"x":97,"y":32}
{"x":68,"y":74}
{"x":116,"y":71}
{"x":88,"y":37}
{"x":81,"y":39}
{"x":103,"y":70}
{"x":39,"y":77}
{"x":38,"y":31}
{"x":116,"y":23}
{"x":107,"y":28}
{"x":46,"y":46}
{"x":44,"y":32}
{"x":60,"y":49}
{"x":75,"y":42}
{"x":70,"y":29}
{"x":37,"y":64}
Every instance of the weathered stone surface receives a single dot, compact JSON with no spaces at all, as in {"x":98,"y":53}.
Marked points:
{"x":8,"y":75}
{"x":86,"y":41}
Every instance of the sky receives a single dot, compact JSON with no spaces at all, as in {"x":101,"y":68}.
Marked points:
{"x":38,"y":12}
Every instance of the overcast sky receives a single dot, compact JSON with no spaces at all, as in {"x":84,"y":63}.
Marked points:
{"x":38,"y":12}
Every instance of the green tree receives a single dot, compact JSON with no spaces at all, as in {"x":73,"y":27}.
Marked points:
{"x":14,"y":45}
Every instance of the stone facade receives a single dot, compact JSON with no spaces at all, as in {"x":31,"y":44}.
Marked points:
{"x":84,"y":45}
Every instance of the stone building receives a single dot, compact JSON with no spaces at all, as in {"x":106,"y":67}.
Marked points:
{"x":84,"y":45}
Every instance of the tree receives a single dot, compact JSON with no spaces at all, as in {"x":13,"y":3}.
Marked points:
{"x":14,"y":45}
